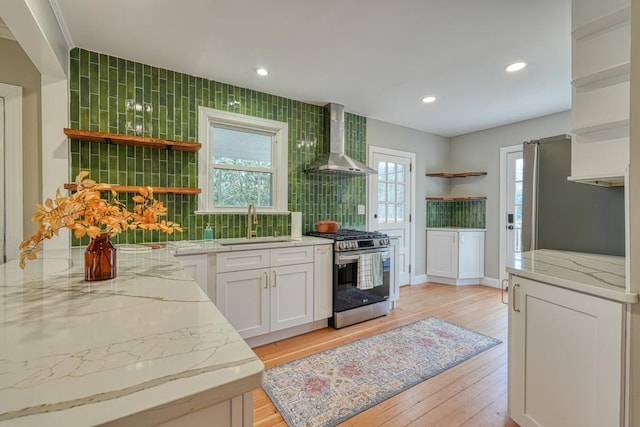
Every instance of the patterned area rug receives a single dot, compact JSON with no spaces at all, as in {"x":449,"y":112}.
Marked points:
{"x":327,"y":388}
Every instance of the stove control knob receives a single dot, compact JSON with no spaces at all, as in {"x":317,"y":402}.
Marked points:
{"x":340,"y":245}
{"x":354,"y":245}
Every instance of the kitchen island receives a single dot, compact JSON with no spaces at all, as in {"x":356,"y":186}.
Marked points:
{"x":146,"y":348}
{"x":568,"y":337}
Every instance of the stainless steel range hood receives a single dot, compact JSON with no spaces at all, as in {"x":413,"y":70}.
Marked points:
{"x":335,"y":161}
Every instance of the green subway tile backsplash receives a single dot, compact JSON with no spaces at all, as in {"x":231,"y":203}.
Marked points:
{"x":104,"y":92}
{"x":460,"y":213}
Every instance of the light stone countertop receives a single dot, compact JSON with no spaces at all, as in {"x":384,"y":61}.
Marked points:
{"x":593,"y":274}
{"x":193,"y":247}
{"x":454,"y":229}
{"x":148,"y":345}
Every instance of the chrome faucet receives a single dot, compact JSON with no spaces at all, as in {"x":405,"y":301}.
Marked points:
{"x":252,"y":219}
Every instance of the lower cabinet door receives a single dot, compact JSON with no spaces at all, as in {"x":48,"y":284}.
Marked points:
{"x":565,"y":357}
{"x":470,"y":254}
{"x":442,"y":253}
{"x":243,"y":298}
{"x":196,"y":266}
{"x":291,"y":295}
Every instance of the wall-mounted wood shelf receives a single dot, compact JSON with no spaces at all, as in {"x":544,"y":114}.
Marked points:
{"x":136,"y":141}
{"x":456,"y":199}
{"x":456,"y":175}
{"x":134,"y":189}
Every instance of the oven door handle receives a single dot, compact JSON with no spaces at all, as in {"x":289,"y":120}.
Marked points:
{"x":341,"y":258}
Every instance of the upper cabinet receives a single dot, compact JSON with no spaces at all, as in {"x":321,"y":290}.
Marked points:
{"x":600,"y":91}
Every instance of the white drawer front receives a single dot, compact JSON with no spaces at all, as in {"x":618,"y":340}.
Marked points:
{"x":241,"y":260}
{"x":291,"y":255}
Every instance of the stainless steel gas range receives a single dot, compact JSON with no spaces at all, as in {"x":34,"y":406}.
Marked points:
{"x":361,"y":276}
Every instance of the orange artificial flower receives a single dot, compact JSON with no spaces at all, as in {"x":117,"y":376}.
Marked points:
{"x":86,"y":213}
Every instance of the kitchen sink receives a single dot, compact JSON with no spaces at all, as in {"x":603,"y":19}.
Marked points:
{"x":253,"y":241}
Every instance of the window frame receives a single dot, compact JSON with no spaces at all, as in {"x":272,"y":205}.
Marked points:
{"x":208,"y":117}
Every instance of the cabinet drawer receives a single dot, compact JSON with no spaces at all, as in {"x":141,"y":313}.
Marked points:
{"x":242,"y":260}
{"x":291,"y":255}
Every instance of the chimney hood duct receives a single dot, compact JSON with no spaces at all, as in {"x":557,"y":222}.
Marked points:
{"x":335,"y":161}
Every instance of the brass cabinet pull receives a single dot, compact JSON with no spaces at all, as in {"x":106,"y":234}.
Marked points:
{"x":504,"y":288}
{"x":274,"y":279}
{"x":266,"y":280}
{"x":513,"y":298}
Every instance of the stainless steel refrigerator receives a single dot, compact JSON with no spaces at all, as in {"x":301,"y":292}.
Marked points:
{"x":565,"y":215}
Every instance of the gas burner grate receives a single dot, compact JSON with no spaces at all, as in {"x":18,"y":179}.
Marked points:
{"x":347,"y":234}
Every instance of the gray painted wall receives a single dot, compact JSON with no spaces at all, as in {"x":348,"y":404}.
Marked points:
{"x":17,"y":69}
{"x":432,"y":153}
{"x":480,"y":151}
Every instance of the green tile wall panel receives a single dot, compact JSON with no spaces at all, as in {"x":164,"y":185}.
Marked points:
{"x":103,"y":93}
{"x":462,"y":213}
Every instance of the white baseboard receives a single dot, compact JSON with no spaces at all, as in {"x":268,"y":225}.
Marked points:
{"x":491,"y":282}
{"x":286,"y":333}
{"x":453,"y":281}
{"x":487,"y":281}
{"x":418,"y":279}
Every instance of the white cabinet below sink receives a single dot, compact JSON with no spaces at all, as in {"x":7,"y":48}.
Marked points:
{"x":277,"y":293}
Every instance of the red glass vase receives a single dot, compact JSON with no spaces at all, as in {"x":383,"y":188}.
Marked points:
{"x":100,"y":259}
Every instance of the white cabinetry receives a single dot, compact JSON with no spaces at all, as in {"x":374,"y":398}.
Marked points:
{"x":235,"y":412}
{"x":266,"y":290}
{"x":196,"y":266}
{"x":600,"y":97}
{"x":323,"y":282}
{"x":565,"y":357}
{"x":455,"y":257}
{"x":394,"y":280}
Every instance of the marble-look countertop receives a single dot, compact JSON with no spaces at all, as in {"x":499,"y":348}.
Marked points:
{"x":454,"y":229}
{"x":139,"y":349}
{"x":192,"y":247}
{"x":599,"y":275}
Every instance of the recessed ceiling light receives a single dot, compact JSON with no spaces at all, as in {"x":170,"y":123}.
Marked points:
{"x":428,"y":99}
{"x":262,"y":71}
{"x":516,"y":66}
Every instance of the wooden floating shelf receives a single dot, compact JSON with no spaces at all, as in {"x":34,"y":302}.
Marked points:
{"x":456,"y":175}
{"x":136,"y":141}
{"x":134,"y":189}
{"x":455,"y":199}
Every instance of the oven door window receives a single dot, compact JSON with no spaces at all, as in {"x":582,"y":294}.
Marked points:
{"x":347,"y":293}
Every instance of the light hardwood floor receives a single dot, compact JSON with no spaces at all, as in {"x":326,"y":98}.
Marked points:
{"x":473,"y":393}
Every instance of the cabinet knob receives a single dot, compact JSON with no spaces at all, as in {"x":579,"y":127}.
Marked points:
{"x":274,"y":279}
{"x":266,"y":280}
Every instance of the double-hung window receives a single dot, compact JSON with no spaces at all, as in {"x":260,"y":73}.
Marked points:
{"x":243,"y":161}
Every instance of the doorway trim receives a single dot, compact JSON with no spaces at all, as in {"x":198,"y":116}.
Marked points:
{"x":13,"y":167}
{"x":504,"y":151}
{"x":412,"y":201}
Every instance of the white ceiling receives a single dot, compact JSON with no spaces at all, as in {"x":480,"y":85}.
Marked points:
{"x":376,"y":57}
